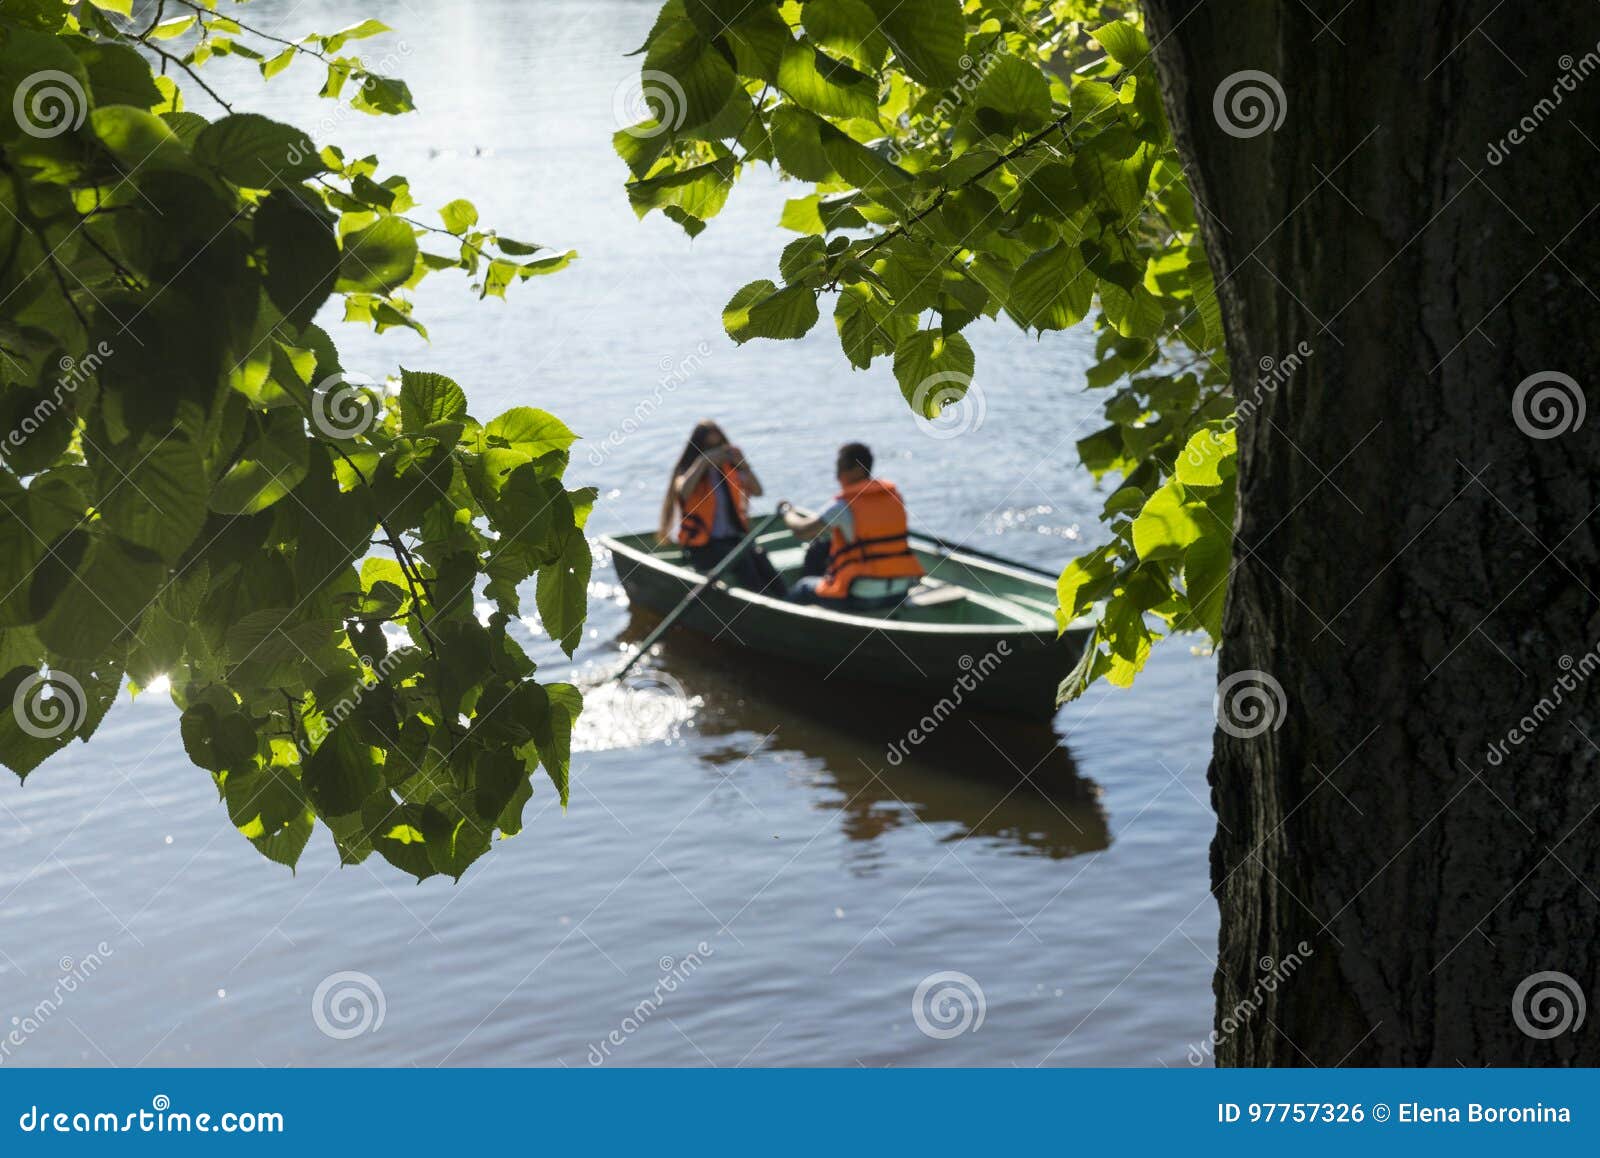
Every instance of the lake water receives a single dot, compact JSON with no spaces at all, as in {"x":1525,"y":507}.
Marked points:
{"x":738,"y":854}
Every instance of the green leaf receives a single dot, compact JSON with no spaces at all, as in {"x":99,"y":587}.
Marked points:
{"x":1053,"y":290}
{"x":762,"y":310}
{"x":459,"y":216}
{"x":533,"y":432}
{"x":428,"y":398}
{"x":118,"y":75}
{"x":257,"y":153}
{"x":553,"y":735}
{"x":1123,"y":42}
{"x":268,"y":468}
{"x":156,"y":494}
{"x":700,"y":191}
{"x":1206,"y":567}
{"x":929,"y":38}
{"x":1168,"y":523}
{"x":1207,"y":458}
{"x":685,"y":79}
{"x":1016,"y":90}
{"x":100,"y":602}
{"x":563,"y":593}
{"x":933,"y":369}
{"x":378,"y":258}
{"x":302,"y":257}
{"x":366,"y":28}
{"x":342,"y":773}
{"x":138,"y":139}
{"x":826,"y":86}
{"x":382,"y":96}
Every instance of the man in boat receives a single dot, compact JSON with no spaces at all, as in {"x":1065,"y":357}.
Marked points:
{"x":859,"y":558}
{"x":708,"y":506}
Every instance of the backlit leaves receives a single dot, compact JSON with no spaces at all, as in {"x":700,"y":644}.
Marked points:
{"x":192,"y":488}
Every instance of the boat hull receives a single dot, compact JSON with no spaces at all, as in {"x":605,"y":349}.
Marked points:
{"x":1007,"y":669}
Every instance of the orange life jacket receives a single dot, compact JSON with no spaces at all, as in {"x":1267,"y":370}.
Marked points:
{"x":880,"y":549}
{"x":699,"y":512}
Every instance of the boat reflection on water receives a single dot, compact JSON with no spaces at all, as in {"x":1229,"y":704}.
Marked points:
{"x":983,"y":776}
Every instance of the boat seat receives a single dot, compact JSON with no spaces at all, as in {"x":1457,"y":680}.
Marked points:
{"x":924,"y":595}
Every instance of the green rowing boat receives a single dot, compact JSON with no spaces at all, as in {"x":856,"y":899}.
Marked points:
{"x":977,"y":632}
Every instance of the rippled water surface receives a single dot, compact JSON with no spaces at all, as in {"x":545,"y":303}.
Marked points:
{"x":739,"y":855}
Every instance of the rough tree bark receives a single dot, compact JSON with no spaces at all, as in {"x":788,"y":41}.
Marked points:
{"x":1415,"y":569}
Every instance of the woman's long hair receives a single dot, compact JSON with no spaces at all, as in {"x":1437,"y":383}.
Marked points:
{"x":699,"y":438}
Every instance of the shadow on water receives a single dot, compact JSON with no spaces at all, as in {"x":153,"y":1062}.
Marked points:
{"x":984,"y":776}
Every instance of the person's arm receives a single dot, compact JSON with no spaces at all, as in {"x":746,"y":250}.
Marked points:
{"x":806,"y":526}
{"x":689,"y":479}
{"x":747,"y":475}
{"x":803,"y":526}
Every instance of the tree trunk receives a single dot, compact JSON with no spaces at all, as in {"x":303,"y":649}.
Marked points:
{"x":1417,"y":559}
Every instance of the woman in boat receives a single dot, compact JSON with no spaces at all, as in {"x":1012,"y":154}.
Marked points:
{"x":859,"y":558}
{"x":707,"y":508}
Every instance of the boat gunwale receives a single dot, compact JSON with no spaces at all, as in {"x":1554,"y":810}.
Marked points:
{"x":812,"y":611}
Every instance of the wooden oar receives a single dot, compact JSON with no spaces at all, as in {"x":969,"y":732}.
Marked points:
{"x":698,"y":590}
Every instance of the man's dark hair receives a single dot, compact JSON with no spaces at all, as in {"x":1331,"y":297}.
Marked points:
{"x":855,"y":454}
